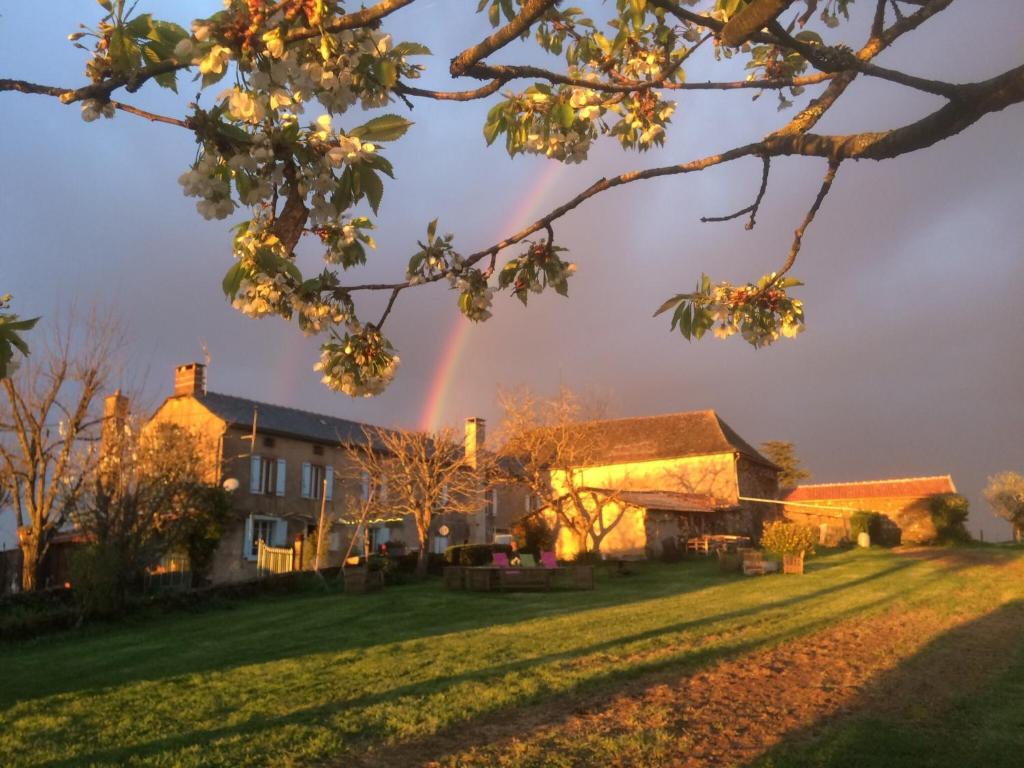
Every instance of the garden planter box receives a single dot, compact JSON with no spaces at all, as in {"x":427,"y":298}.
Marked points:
{"x":359,"y":580}
{"x":454,"y":577}
{"x":793,"y":563}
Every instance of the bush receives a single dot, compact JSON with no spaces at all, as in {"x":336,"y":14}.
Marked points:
{"x":97,"y":576}
{"x":865,"y":521}
{"x":789,"y":538}
{"x":588,"y":558}
{"x":474,"y":554}
{"x":949,"y":515}
{"x":534,"y":534}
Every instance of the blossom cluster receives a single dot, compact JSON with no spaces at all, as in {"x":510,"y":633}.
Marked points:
{"x":360,"y":364}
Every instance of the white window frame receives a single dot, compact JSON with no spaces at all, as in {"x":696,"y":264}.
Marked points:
{"x":277,"y":532}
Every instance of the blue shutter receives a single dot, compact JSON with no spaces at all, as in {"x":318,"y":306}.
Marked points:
{"x":254,"y":474}
{"x":279,"y":490}
{"x":329,"y":476}
{"x":306,"y":480}
{"x":247,"y":539}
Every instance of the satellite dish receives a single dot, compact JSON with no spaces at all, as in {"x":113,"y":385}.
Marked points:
{"x":443,"y":530}
{"x":231,"y":484}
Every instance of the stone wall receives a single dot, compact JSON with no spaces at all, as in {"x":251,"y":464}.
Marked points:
{"x":909,"y":514}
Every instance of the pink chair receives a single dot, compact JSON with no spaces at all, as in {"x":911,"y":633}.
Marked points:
{"x":500,"y":559}
{"x":547,"y":559}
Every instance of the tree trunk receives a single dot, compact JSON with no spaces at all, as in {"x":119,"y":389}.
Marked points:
{"x":30,"y":563}
{"x":422,"y":559}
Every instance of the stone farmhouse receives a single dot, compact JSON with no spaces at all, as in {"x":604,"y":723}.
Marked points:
{"x":665,"y":477}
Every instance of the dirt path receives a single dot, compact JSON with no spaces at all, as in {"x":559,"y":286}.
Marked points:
{"x":904,"y":664}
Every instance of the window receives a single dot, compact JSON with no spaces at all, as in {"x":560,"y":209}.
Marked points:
{"x":270,"y":530}
{"x":268,"y":442}
{"x":318,"y":450}
{"x":266,"y":476}
{"x":364,"y":483}
{"x":313,"y":477}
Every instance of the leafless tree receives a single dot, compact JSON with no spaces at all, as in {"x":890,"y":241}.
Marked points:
{"x":420,"y":474}
{"x":49,"y":428}
{"x":545,"y":447}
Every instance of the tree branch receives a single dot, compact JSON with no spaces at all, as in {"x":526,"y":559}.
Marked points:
{"x":530,"y":12}
{"x":751,"y":209}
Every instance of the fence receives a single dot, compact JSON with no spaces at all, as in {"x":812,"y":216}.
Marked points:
{"x":273,"y":560}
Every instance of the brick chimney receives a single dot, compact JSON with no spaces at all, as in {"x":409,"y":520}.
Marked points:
{"x":476,"y":432}
{"x":190,"y":379}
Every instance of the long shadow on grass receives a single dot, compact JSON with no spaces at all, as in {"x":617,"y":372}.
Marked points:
{"x":273,"y":629}
{"x":276,"y":628}
{"x":628,"y":672}
{"x":957,"y":703}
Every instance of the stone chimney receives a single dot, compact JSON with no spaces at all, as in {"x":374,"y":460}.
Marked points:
{"x":113,"y":433}
{"x":476,"y":432}
{"x":190,"y":379}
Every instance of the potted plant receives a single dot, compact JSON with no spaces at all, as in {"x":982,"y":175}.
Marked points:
{"x":791,"y":541}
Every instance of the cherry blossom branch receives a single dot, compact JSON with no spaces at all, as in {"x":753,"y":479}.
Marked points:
{"x":531,"y":11}
{"x":798,"y":235}
{"x":753,"y":208}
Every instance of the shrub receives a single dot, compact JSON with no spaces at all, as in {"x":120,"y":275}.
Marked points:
{"x":474,"y":554}
{"x":97,"y":577}
{"x":789,"y":538}
{"x":588,"y":558}
{"x":865,"y":521}
{"x":949,"y":514}
{"x":535,"y":535}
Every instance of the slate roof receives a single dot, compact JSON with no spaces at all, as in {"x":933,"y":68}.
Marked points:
{"x":669,"y":436}
{"x":906,"y":487}
{"x":281,"y":420}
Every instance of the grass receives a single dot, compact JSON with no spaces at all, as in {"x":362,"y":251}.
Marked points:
{"x":325,"y":678}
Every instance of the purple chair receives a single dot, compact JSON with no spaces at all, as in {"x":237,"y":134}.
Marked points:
{"x":500,"y":559}
{"x":548,"y":560}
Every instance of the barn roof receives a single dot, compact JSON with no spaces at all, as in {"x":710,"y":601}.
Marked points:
{"x":668,"y":436}
{"x":906,"y":487}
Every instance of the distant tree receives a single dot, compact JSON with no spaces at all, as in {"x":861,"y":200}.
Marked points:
{"x":545,"y":448}
{"x":1004,"y":492}
{"x":48,"y":430}
{"x":282,"y":138}
{"x":949,"y":513}
{"x":783,"y":453}
{"x":420,"y":474}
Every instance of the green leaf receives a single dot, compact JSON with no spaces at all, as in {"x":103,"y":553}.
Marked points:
{"x":564,"y":114}
{"x":431,"y":230}
{"x":491,"y":131}
{"x":411,"y":49}
{"x":371,"y":185}
{"x":669,"y":304}
{"x":233,"y":280}
{"x":140,"y":25}
{"x":381,"y":163}
{"x":386,"y":72}
{"x":383,"y":128}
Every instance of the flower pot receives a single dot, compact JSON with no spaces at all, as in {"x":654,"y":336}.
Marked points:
{"x":793,"y":563}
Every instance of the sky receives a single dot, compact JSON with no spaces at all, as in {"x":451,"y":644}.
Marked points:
{"x":912,"y":362}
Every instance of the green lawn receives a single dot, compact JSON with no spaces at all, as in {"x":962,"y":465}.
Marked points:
{"x":328,"y":678}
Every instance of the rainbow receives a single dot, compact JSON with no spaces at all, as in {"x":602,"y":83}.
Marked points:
{"x":455,"y":342}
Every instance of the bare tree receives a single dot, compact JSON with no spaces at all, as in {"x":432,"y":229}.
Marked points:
{"x":49,"y":427}
{"x":1005,"y":494}
{"x":545,"y":447}
{"x":420,"y":474}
